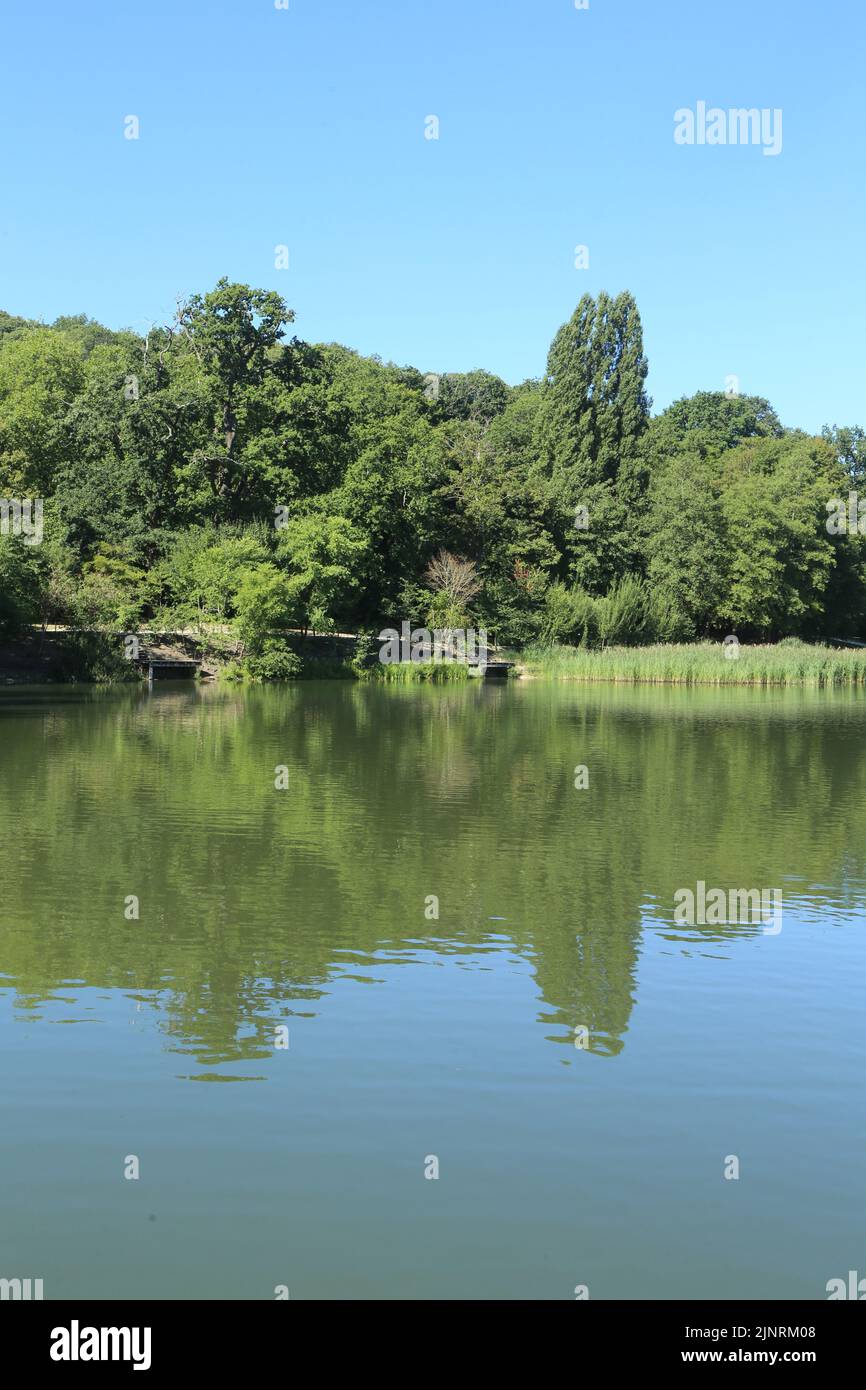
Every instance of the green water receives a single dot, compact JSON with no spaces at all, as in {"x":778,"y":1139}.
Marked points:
{"x":410,"y":1036}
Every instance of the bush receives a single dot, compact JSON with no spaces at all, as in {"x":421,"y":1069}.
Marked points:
{"x":666,"y":621}
{"x":233,"y":671}
{"x":365,"y":656}
{"x":275,"y":663}
{"x":19,"y":584}
{"x":570,"y":615}
{"x":623,"y":612}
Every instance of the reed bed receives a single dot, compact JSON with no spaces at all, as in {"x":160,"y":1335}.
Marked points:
{"x":702,"y":663}
{"x":409,"y":672}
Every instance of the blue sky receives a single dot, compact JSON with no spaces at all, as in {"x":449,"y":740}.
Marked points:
{"x":306,"y":127}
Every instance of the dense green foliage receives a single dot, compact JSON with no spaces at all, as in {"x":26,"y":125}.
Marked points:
{"x":216,"y":474}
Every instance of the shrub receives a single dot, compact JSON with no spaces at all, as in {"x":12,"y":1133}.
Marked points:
{"x":623,"y":612}
{"x":276,"y":663}
{"x":365,"y":656}
{"x":570,"y":615}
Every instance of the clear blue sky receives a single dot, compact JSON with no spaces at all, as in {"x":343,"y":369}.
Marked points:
{"x":306,"y":127}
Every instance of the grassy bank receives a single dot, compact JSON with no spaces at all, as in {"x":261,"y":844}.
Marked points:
{"x":702,"y":663}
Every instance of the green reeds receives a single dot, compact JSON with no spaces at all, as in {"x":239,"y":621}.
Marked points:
{"x":702,"y":663}
{"x":408,"y":672}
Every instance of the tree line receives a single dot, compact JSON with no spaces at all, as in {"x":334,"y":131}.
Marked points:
{"x":216,"y":471}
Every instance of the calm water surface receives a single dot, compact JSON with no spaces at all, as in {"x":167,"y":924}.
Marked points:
{"x":410,"y":1036}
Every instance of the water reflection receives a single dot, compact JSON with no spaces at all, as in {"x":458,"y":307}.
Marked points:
{"x":255,"y":903}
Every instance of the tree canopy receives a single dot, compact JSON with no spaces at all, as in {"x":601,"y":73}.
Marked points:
{"x":216,"y":470}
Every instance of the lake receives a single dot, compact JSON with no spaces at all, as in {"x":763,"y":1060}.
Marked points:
{"x":381,"y":932}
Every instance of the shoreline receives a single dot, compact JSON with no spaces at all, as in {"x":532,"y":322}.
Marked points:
{"x":92,"y":657}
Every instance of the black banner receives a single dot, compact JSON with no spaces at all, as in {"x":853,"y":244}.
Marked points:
{"x":157,"y":1339}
